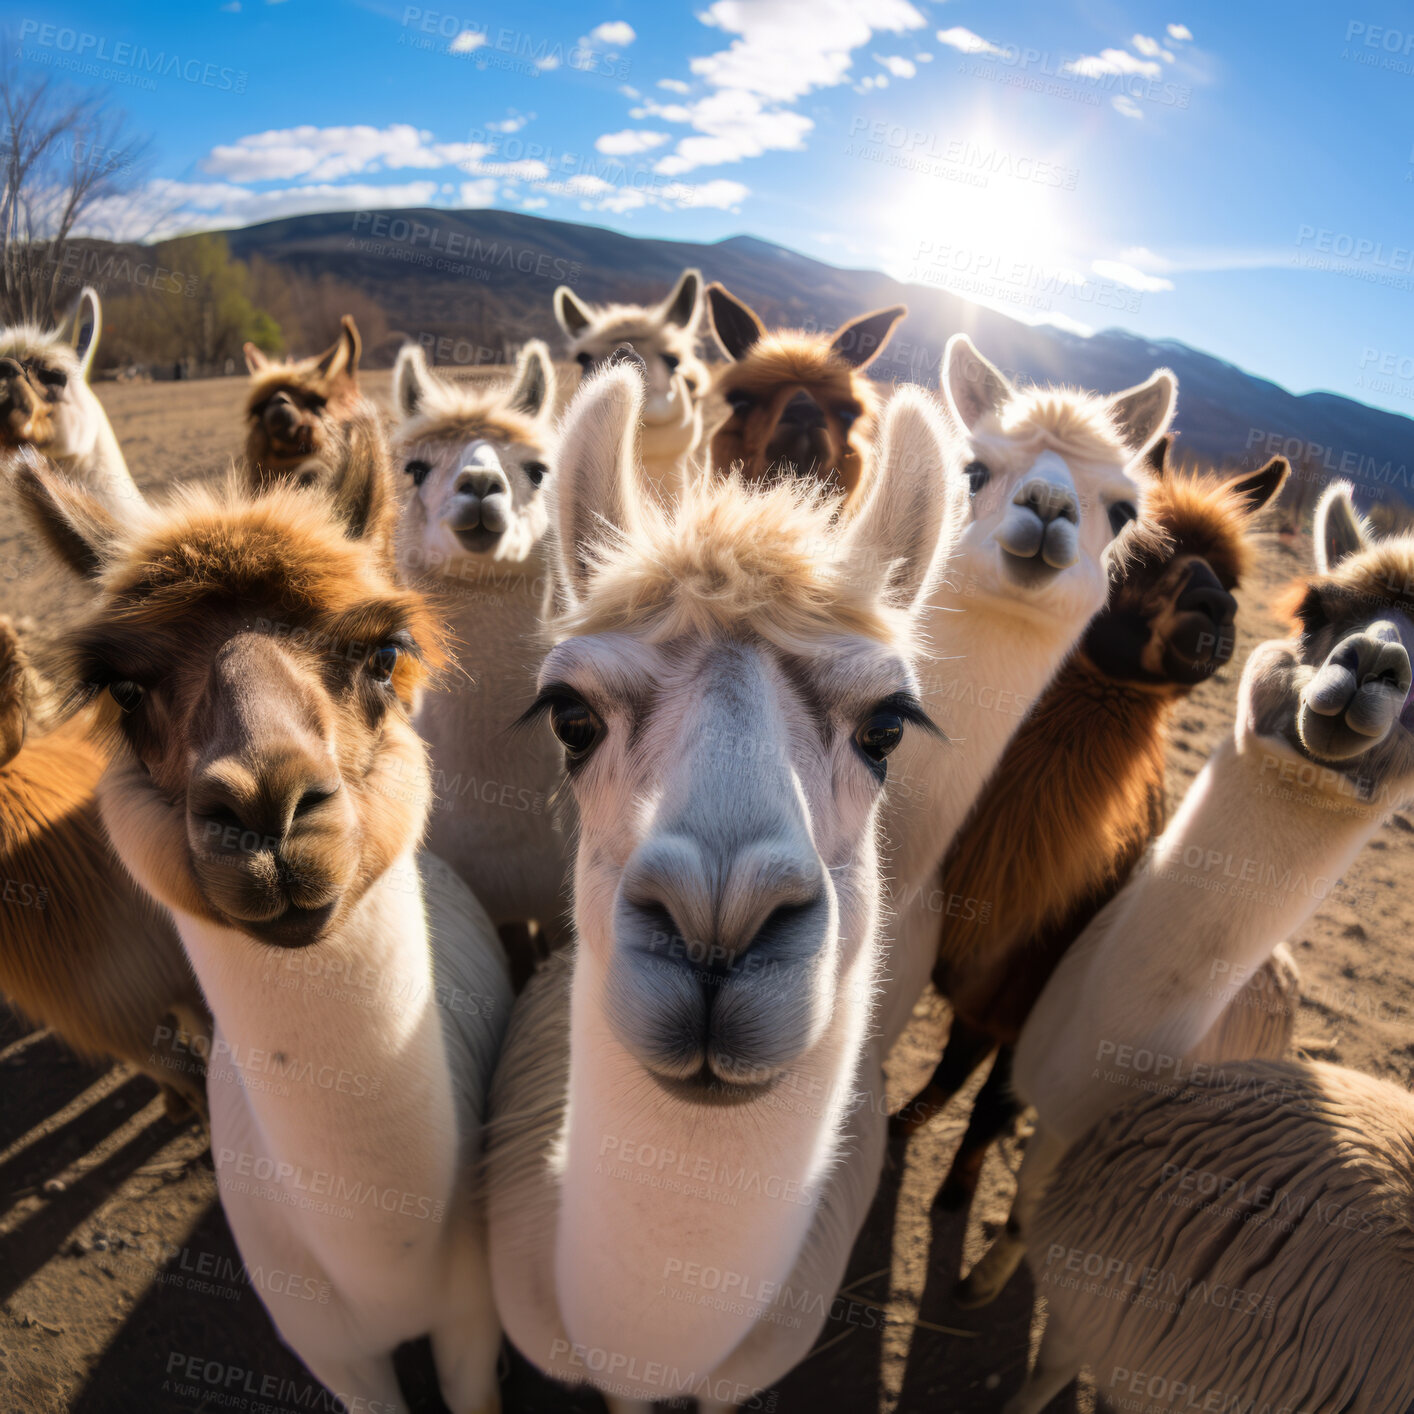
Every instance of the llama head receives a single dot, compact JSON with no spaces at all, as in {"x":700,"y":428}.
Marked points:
{"x":1170,"y":620}
{"x":478,"y":462}
{"x":1053,"y":483}
{"x":1340,"y":691}
{"x":728,"y":677}
{"x":792,"y":404}
{"x":294,"y":406}
{"x":254,"y":661}
{"x":45,"y":400}
{"x":665,"y":337}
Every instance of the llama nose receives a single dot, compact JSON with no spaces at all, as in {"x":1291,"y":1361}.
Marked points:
{"x":1048,"y":500}
{"x":480,"y":482}
{"x":803,"y":412}
{"x":1203,"y":594}
{"x":1043,"y":521}
{"x":683,"y":906}
{"x":234,"y":809}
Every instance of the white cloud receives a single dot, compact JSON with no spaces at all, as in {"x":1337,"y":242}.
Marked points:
{"x":535,"y":203}
{"x":629,"y":91}
{"x":668,"y":112}
{"x":1143,"y":256}
{"x":1123,"y":273}
{"x":871,"y":81}
{"x":629,"y":142}
{"x":1112,"y":61}
{"x":1122,"y":103}
{"x":479,"y":193}
{"x":780,"y":58}
{"x":923,"y":57}
{"x":674,"y":86}
{"x":1150,"y":47}
{"x":898,"y":66}
{"x":618,"y":32}
{"x":1180,"y":32}
{"x":325,"y":154}
{"x":963,"y":39}
{"x":548,"y":62}
{"x":720,"y":193}
{"x":733,"y":124}
{"x":467,"y":41}
{"x":512,"y":124}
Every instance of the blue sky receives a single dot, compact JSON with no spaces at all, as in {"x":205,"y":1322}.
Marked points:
{"x":1238,"y":176}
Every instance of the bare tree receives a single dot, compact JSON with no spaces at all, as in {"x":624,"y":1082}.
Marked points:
{"x":67,"y":159}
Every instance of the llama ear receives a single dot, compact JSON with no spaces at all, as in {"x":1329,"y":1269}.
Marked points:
{"x":88,"y":325}
{"x":862,"y":340}
{"x":1142,"y":415}
{"x":573,"y":317}
{"x":341,"y":357}
{"x":1340,"y":530}
{"x":1156,"y":459}
{"x":973,"y":387}
{"x":255,"y":360}
{"x":361,"y":488}
{"x":736,"y":325}
{"x":1259,"y":488}
{"x":682,"y":306}
{"x":919,"y":504}
{"x":76,"y":526}
{"x":411,"y":380}
{"x":596,"y":476}
{"x":533,"y":391}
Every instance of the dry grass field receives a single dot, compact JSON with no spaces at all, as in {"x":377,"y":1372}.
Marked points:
{"x":117,"y":1270}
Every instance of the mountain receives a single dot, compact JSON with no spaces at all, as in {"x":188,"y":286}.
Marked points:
{"x":471,"y":285}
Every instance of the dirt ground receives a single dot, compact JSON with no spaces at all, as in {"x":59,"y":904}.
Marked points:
{"x":117,"y":1271}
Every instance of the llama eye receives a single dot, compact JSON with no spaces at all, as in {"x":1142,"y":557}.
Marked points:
{"x":672,"y":361}
{"x":879,"y":735}
{"x":128,"y":695}
{"x":847,"y":416}
{"x":382,"y":662}
{"x":1121,"y":513}
{"x":53,"y":377}
{"x":536,"y":472}
{"x":418,"y":471}
{"x":584,"y":360}
{"x":738,"y":400}
{"x":978,"y":475}
{"x":576,"y":728}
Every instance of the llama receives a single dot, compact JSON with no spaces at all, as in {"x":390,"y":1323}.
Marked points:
{"x":255,"y":662}
{"x":1079,"y":793}
{"x":665,"y":337}
{"x":728,"y":676}
{"x":793,"y":403}
{"x":81,"y":950}
{"x":1279,"y":1196}
{"x":294,"y":408}
{"x":473,"y":532}
{"x":1319,"y":757}
{"x":1056,"y":477}
{"x":46,"y":402}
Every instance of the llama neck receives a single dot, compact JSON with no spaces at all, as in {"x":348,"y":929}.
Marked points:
{"x":337,"y":1049}
{"x":1259,"y":842}
{"x":654,"y":1190}
{"x":102,"y":468}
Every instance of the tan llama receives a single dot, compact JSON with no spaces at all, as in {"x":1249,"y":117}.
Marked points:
{"x":665,"y":337}
{"x":46,"y":402}
{"x":473,"y":534}
{"x":294,"y":408}
{"x":256,"y":661}
{"x":795,"y":404}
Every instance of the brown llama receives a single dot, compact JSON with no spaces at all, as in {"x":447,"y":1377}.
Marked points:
{"x":295,"y":407}
{"x":794,"y":403}
{"x":1079,"y":793}
{"x":82,"y":951}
